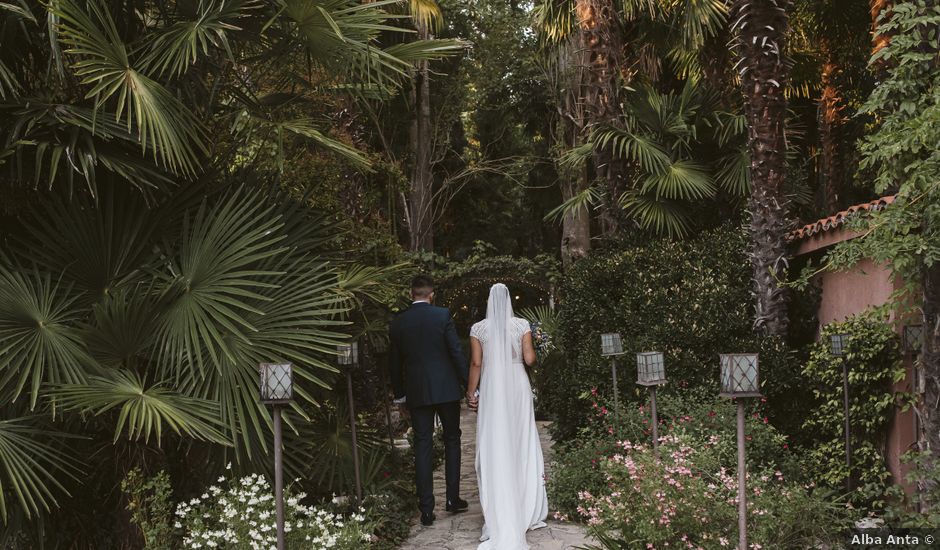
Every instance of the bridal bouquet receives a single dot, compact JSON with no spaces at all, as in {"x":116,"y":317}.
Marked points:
{"x":541,"y":339}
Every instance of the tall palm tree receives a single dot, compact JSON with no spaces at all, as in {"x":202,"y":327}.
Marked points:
{"x":761,"y":30}
{"x":592,"y":105}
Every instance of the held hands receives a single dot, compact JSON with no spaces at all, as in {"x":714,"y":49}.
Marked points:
{"x":473,"y":401}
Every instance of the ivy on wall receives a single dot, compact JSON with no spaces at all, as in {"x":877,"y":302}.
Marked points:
{"x":874,"y":365}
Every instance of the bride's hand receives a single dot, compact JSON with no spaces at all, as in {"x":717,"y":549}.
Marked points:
{"x":473,"y":402}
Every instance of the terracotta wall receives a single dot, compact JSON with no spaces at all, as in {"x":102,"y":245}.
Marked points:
{"x":846,"y":293}
{"x":851,"y":292}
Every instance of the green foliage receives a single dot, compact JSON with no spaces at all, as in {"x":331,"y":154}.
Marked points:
{"x":150,"y":502}
{"x":700,"y":416}
{"x":139,"y":327}
{"x":577,"y":468}
{"x":92,"y":91}
{"x":685,"y":148}
{"x":681,"y":496}
{"x":872,"y":357}
{"x":917,"y":509}
{"x":901,"y":152}
{"x":691,"y":300}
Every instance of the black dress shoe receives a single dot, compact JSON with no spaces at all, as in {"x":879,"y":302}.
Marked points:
{"x":457,"y":505}
{"x":427,"y":519}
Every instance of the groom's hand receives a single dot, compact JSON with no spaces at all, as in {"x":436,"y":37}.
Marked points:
{"x":473,"y":402}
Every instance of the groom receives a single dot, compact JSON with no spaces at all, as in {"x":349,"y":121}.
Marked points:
{"x":429,"y":370}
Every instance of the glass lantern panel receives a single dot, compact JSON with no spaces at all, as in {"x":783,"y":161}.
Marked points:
{"x":347,"y":354}
{"x":913,"y":338}
{"x":739,"y":375}
{"x":838,"y":343}
{"x":650,"y":368}
{"x":611,"y":344}
{"x":276,"y":382}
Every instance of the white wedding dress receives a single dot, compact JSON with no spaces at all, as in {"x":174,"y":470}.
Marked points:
{"x":509,"y":464}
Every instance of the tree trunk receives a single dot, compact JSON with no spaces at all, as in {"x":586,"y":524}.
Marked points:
{"x":420,"y":208}
{"x":761,"y":27}
{"x":831,"y":121}
{"x":576,"y":226}
{"x":569,"y":134}
{"x":878,"y":40}
{"x":930,"y":362}
{"x":602,"y":45}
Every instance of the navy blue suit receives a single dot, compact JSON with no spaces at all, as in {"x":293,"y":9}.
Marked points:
{"x":429,"y":368}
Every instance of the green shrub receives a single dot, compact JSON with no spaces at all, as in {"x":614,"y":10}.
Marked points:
{"x":681,"y":498}
{"x":149,"y":501}
{"x":692,"y":415}
{"x":900,"y":509}
{"x":689,"y":299}
{"x":874,"y":365}
{"x":575,"y":469}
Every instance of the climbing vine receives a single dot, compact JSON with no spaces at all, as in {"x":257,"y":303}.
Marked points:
{"x":872,"y":357}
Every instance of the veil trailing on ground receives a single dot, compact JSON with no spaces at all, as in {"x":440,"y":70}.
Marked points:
{"x":509,"y":456}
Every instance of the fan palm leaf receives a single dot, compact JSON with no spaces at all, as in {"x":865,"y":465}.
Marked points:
{"x":39,"y":336}
{"x":177,"y":47}
{"x":30,"y":466}
{"x":102,"y":60}
{"x":143,"y":411}
{"x":682,"y":179}
{"x":210,"y":279}
{"x":660,"y":216}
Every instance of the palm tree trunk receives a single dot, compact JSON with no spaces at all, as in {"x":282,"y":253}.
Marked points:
{"x":878,"y":40}
{"x":575,"y":226}
{"x":420,"y":209}
{"x":761,"y":27}
{"x":602,"y":43}
{"x":830,"y":131}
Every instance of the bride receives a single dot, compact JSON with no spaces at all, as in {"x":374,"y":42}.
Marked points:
{"x":509,"y":465}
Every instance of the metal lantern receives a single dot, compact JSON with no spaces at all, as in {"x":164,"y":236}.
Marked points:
{"x":277,"y":383}
{"x":739,"y":378}
{"x":348,"y":354}
{"x":611,"y":344}
{"x":277,"y":389}
{"x":913,"y":338}
{"x":838,"y":344}
{"x":650,"y":368}
{"x":739,"y":375}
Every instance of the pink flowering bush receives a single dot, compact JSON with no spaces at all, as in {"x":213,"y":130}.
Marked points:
{"x":683,"y":499}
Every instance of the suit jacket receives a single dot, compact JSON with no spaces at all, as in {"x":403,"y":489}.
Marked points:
{"x":426,"y":360}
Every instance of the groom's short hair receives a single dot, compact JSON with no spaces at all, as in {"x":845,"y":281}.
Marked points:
{"x":422,"y":286}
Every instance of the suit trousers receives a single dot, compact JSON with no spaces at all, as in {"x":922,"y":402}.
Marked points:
{"x":422,"y":420}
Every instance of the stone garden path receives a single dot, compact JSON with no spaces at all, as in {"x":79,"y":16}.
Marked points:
{"x":462,"y":531}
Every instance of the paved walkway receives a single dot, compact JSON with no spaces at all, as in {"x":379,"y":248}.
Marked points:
{"x":462,"y":531}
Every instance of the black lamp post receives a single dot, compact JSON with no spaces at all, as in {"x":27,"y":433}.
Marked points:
{"x":837,"y":346}
{"x":739,"y":379}
{"x":348,"y":357}
{"x":277,"y":389}
{"x":651,"y":372}
{"x":612,"y":346}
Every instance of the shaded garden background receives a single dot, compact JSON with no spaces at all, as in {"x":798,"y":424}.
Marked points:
{"x":189,"y":188}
